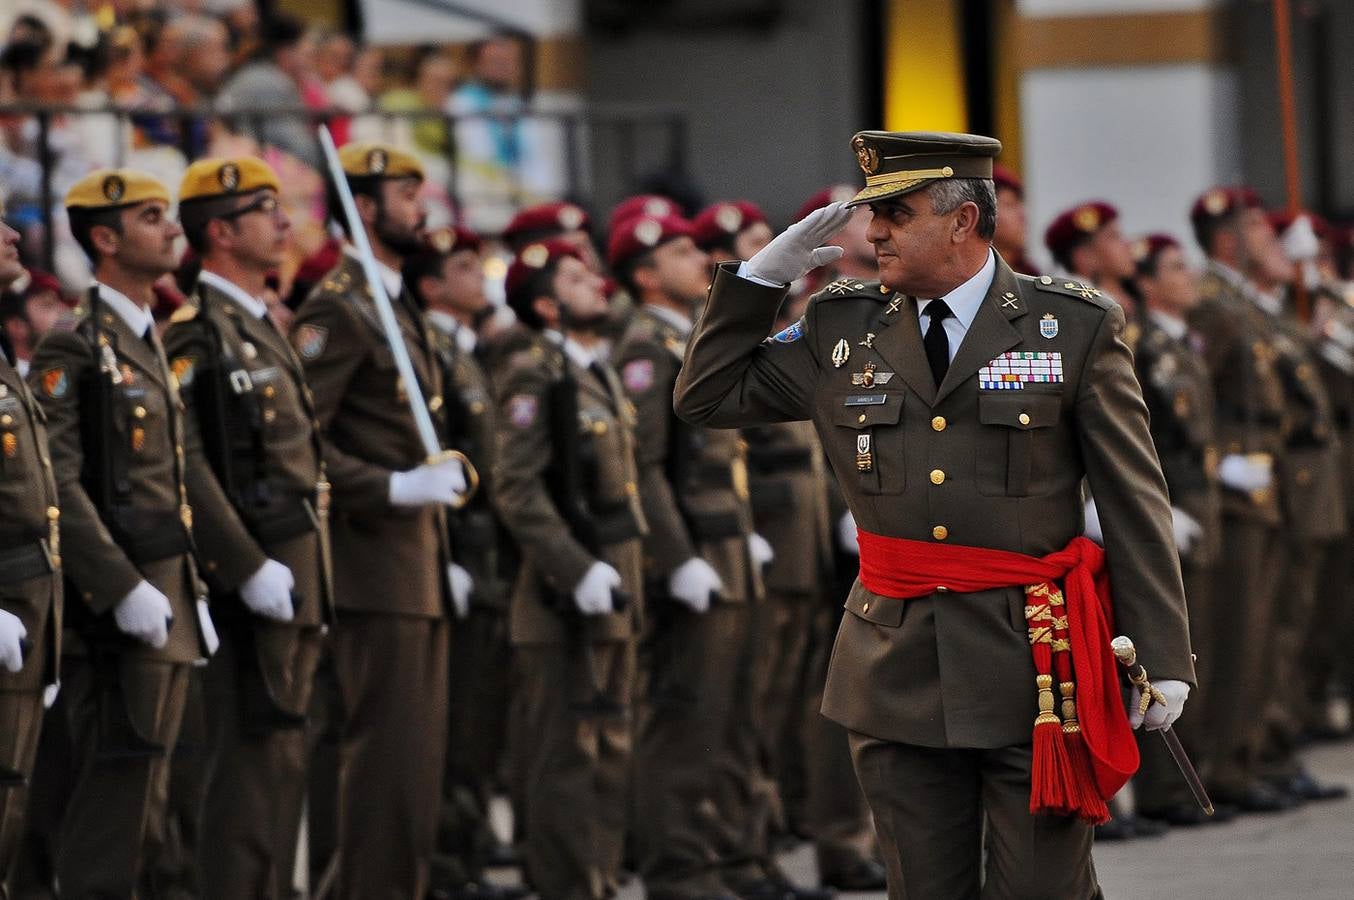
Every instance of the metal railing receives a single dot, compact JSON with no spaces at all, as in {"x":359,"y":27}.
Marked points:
{"x":606,"y":149}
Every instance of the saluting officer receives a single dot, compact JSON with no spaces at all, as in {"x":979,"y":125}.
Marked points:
{"x":447,"y":279}
{"x":565,"y":485}
{"x":139,"y":618}
{"x":1178,"y":390}
{"x":264,"y":552}
{"x":392,"y":572}
{"x":962,"y":405}
{"x":30,"y":580}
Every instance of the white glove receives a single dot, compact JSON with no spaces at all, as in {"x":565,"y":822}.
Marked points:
{"x":846,"y":534}
{"x":1242,"y":473}
{"x":145,"y":614}
{"x":760,"y":549}
{"x":798,"y":250}
{"x":1299,"y":240}
{"x":1092,"y":529}
{"x":1158,"y":716}
{"x":439,"y":482}
{"x":1187,"y":530}
{"x":267,"y":593}
{"x":12,"y":631}
{"x":693,"y":582}
{"x":592,"y":596}
{"x":461,"y":583}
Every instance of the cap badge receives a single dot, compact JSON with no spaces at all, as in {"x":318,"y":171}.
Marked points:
{"x":729,"y":218}
{"x":570,"y":217}
{"x":1141,"y":248}
{"x":443,"y":239}
{"x":841,"y":353}
{"x":867,"y":156}
{"x":536,"y":256}
{"x":114,"y":188}
{"x":648,"y":232}
{"x":1215,"y":203}
{"x":1048,"y":326}
{"x":229,"y":176}
{"x":657,"y":207}
{"x":1086,"y":219}
{"x":377,"y":160}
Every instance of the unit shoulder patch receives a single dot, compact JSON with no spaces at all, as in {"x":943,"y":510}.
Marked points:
{"x":1072,"y":288}
{"x":311,"y":339}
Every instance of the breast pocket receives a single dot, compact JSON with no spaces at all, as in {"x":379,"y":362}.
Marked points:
{"x":867,"y":441}
{"x":1007,"y":443}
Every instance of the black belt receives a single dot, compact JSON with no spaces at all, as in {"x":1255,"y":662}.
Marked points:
{"x":714,"y":526}
{"x":282,"y":521}
{"x":147,"y":536}
{"x":616,"y":526}
{"x":23,"y":562}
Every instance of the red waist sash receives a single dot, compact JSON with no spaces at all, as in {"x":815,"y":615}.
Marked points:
{"x":1083,"y":758}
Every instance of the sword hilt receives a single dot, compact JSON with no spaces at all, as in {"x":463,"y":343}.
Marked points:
{"x":1127,"y":654}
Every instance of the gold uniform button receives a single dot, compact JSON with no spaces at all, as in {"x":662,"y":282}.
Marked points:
{"x":6,"y":420}
{"x":632,"y":489}
{"x":1024,"y":418}
{"x":938,"y":423}
{"x":937,"y":476}
{"x":269,"y":391}
{"x":940,"y":532}
{"x":434,"y":403}
{"x":599,"y":427}
{"x":861,"y":420}
{"x":865,"y":607}
{"x":53,"y":513}
{"x":941,"y":589}
{"x":139,"y":412}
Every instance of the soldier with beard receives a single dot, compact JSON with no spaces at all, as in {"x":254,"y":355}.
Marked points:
{"x":393,"y":577}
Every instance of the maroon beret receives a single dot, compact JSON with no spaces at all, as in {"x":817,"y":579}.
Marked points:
{"x":452,"y":239}
{"x":1148,"y":247}
{"x":640,"y":234}
{"x":1076,"y":224}
{"x":719,"y":221}
{"x":838,"y":193}
{"x":655,"y":206}
{"x":545,"y":220}
{"x":40,"y":282}
{"x":532,"y":258}
{"x":1003,"y":177}
{"x":1223,"y":201}
{"x":1282,"y":218}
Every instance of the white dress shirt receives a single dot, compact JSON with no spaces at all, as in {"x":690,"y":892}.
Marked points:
{"x":392,"y":280}
{"x":672,"y":317}
{"x":1176,"y":327}
{"x":583,"y":357}
{"x":137,"y":317}
{"x":963,"y":301}
{"x":466,"y":339}
{"x":252,"y":305}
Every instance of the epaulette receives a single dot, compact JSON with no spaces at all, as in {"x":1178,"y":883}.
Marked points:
{"x":185,"y":313}
{"x":1070,"y":288}
{"x":853,"y":287}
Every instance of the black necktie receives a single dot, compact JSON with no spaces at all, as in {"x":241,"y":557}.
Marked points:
{"x":937,"y":343}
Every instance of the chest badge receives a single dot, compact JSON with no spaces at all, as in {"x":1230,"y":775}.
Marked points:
{"x":841,"y":353}
{"x":864,"y":455}
{"x":868,"y":341}
{"x":865,"y":378}
{"x":1048,"y":326}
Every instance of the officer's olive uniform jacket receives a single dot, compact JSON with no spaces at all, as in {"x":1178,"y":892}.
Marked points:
{"x":1178,"y":390}
{"x":469,"y":406}
{"x":693,"y":481}
{"x":147,"y":433}
{"x":1335,"y":361}
{"x":554,"y":560}
{"x":28,"y":526}
{"x":287,"y":461}
{"x":1238,"y":346}
{"x":971,"y":466}
{"x":386,"y":559}
{"x":788,"y":482}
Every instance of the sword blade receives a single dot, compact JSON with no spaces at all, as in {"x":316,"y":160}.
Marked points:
{"x":1196,"y":787}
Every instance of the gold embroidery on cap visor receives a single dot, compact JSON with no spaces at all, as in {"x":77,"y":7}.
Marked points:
{"x":894,"y":183}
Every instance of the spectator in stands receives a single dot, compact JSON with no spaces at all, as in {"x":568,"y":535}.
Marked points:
{"x":434,"y":77}
{"x":28,"y":310}
{"x":274,"y":80}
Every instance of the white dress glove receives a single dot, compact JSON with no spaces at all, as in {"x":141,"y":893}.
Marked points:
{"x":145,"y":614}
{"x":439,"y":482}
{"x":1299,"y":240}
{"x":693,"y":582}
{"x":760,"y":549}
{"x":593,"y":594}
{"x":799,"y":249}
{"x":1158,"y":716}
{"x":267,"y":593}
{"x":1187,"y":530}
{"x":462,"y":583}
{"x":1092,"y":529}
{"x":1245,"y":474}
{"x":847,"y":538}
{"x":12,"y":631}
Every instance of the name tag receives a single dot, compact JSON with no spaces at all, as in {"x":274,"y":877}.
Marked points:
{"x":866,"y":400}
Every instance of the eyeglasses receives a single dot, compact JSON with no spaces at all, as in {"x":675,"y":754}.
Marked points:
{"x":266,"y":204}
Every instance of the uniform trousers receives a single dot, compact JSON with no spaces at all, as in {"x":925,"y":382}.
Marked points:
{"x":930,"y":806}
{"x":20,"y":726}
{"x":392,"y":674}
{"x":575,"y":769}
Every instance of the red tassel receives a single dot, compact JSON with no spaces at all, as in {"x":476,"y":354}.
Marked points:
{"x":1084,"y":797}
{"x":1049,"y":768}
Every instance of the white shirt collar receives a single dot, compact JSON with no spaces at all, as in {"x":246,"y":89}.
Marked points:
{"x":392,"y":280}
{"x":672,"y":317}
{"x":137,"y":317}
{"x":252,"y":305}
{"x":1176,"y":327}
{"x":581,"y":356}
{"x":964,"y":300}
{"x":445,"y":322}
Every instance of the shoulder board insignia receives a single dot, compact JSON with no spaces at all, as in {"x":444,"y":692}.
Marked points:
{"x":185,"y":313}
{"x":852,"y":287}
{"x":1071,"y":288}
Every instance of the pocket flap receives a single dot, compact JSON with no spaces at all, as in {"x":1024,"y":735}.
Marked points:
{"x":866,"y":409}
{"x":1017,"y":409}
{"x":877,"y":610}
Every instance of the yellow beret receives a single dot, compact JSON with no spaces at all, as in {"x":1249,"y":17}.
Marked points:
{"x":363,"y":160}
{"x":222,"y":177}
{"x":112,"y":188}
